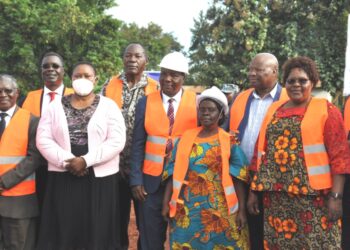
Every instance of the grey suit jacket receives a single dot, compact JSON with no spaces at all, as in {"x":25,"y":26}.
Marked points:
{"x":26,"y":206}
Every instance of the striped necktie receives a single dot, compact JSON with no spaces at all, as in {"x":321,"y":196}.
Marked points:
{"x":170,"y":114}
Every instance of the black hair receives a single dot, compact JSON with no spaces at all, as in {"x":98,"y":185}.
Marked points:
{"x":304,"y":63}
{"x":84,"y":63}
{"x":136,"y":44}
{"x":52,"y":53}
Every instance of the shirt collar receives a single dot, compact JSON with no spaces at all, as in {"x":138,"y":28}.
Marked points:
{"x":10,"y":111}
{"x":272,"y":93}
{"x":58,"y":91}
{"x":177,"y":97}
{"x":142,"y":83}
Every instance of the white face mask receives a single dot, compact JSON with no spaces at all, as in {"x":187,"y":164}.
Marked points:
{"x":82,"y":86}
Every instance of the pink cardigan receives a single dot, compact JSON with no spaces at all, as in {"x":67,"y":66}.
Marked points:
{"x":106,"y":138}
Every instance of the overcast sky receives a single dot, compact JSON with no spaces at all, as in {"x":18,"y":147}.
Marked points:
{"x":174,"y":16}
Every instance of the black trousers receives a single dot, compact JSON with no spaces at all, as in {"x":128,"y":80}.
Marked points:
{"x":346,"y":215}
{"x":256,"y":226}
{"x":125,"y":198}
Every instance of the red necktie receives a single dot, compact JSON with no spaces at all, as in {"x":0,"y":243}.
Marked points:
{"x":170,"y":114}
{"x":52,"y":96}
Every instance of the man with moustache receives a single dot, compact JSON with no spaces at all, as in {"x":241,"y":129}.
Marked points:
{"x":52,"y":73}
{"x":126,"y":90}
{"x":19,"y":158}
{"x":161,"y":118}
{"x":246,"y":116}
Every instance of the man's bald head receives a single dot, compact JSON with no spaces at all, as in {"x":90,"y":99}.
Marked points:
{"x":263,"y":72}
{"x":268,"y":58}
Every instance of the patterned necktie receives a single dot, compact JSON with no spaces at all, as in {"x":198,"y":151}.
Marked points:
{"x":52,"y":96}
{"x":170,"y":114}
{"x":2,"y":123}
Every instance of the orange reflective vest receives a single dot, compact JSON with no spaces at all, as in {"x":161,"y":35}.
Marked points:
{"x":347,"y":116}
{"x":315,"y":153}
{"x":114,"y":89}
{"x":182,"y":162}
{"x":34,"y":99}
{"x":12,"y":153}
{"x":157,"y":128}
{"x":239,"y":107}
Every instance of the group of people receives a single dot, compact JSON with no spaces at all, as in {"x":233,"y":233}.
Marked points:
{"x":266,"y":170}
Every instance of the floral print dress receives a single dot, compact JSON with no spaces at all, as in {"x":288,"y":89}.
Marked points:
{"x":202,"y":221}
{"x":295,"y":215}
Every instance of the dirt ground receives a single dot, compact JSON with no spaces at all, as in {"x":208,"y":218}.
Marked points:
{"x":134,"y":234}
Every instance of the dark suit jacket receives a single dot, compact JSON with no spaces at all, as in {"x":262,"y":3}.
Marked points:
{"x":25,"y":206}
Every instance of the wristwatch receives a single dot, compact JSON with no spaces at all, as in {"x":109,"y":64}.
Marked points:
{"x":336,"y":196}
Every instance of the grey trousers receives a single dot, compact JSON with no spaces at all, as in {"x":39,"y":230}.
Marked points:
{"x":17,"y":234}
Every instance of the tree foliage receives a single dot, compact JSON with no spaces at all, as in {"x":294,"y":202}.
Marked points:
{"x":231,"y":32}
{"x":76,"y":29}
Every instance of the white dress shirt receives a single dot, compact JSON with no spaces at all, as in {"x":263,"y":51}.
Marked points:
{"x":257,"y":112}
{"x":176,"y":102}
{"x":47,"y":98}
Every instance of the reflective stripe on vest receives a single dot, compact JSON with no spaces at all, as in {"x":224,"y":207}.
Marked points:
{"x":114,"y":89}
{"x":157,"y":140}
{"x":32,"y":103}
{"x":238,"y":108}
{"x":316,"y":157}
{"x":11,"y":159}
{"x":312,"y":128}
{"x":157,"y":128}
{"x":13,"y":153}
{"x":182,"y":163}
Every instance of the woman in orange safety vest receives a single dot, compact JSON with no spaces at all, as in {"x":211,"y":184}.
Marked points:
{"x":300,"y":162}
{"x":204,"y":195}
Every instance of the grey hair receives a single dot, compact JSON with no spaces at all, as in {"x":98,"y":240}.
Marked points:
{"x":9,"y":79}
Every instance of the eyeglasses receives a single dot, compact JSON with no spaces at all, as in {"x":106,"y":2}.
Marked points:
{"x":7,"y":91}
{"x":302,"y":81}
{"x":49,"y":65}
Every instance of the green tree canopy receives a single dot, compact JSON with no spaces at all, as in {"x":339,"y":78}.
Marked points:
{"x":76,"y":29}
{"x":231,"y":32}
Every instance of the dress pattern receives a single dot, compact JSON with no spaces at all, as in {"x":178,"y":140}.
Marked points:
{"x":295,"y":215}
{"x":202,"y":221}
{"x":78,"y":119}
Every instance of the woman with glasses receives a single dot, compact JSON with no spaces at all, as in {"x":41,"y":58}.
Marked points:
{"x":205,"y":177}
{"x":81,"y":137}
{"x":300,"y":164}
